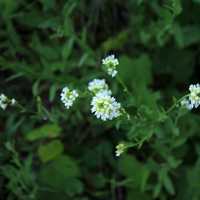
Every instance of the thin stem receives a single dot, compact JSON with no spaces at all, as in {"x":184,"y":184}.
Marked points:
{"x":176,"y":103}
{"x":123,"y":85}
{"x":24,"y":110}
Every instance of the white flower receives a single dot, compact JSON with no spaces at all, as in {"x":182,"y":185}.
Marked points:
{"x":13,"y":102}
{"x":3,"y":101}
{"x":186,"y":103}
{"x":68,"y":97}
{"x":120,"y":148}
{"x":105,"y":107}
{"x":193,"y":98}
{"x":110,"y":63}
{"x":98,"y":85}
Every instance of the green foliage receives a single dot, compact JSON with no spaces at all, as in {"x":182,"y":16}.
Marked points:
{"x":136,"y":173}
{"x":46,"y":131}
{"x":21,"y":179}
{"x":49,"y":152}
{"x":61,"y":176}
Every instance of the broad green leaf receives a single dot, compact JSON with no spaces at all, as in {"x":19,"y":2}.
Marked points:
{"x":136,"y":71}
{"x":50,"y":151}
{"x":61,"y":174}
{"x":46,"y":131}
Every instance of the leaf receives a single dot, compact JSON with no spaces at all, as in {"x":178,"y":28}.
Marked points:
{"x":168,"y":185}
{"x":46,"y":131}
{"x":62,"y":175}
{"x":67,"y":48}
{"x":176,"y":7}
{"x":136,"y":71}
{"x":50,"y":151}
{"x":48,"y":4}
{"x":116,"y":42}
{"x":52,"y":92}
{"x":132,"y":169}
{"x":188,"y":182}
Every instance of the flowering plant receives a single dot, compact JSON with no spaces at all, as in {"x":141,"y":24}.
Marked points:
{"x":77,"y":125}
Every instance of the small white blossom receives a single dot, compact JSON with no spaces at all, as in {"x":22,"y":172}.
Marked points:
{"x":110,"y":63}
{"x":3,"y":101}
{"x":98,"y":85}
{"x":186,"y":103}
{"x":193,"y":98}
{"x":120,"y":148}
{"x":68,"y":97}
{"x":105,"y":107}
{"x":13,"y":102}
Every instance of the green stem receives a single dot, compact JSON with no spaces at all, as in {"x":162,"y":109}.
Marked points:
{"x":123,"y":85}
{"x":176,"y":103}
{"x":24,"y":110}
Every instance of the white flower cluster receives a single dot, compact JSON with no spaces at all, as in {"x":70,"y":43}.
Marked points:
{"x":105,"y":107}
{"x":68,"y":97}
{"x":98,"y":85}
{"x":110,"y":63}
{"x":5,"y":101}
{"x":193,"y":99}
{"x":120,"y":148}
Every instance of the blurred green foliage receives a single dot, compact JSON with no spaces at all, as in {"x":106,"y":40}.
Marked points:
{"x":50,"y":152}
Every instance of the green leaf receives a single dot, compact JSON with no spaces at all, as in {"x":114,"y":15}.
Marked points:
{"x":168,"y":185}
{"x":132,"y":169}
{"x":136,"y":71}
{"x":50,"y":151}
{"x":189,"y":182}
{"x":52,"y":92}
{"x":48,"y":4}
{"x":67,"y":48}
{"x":61,"y":175}
{"x":116,"y":42}
{"x":46,"y":131}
